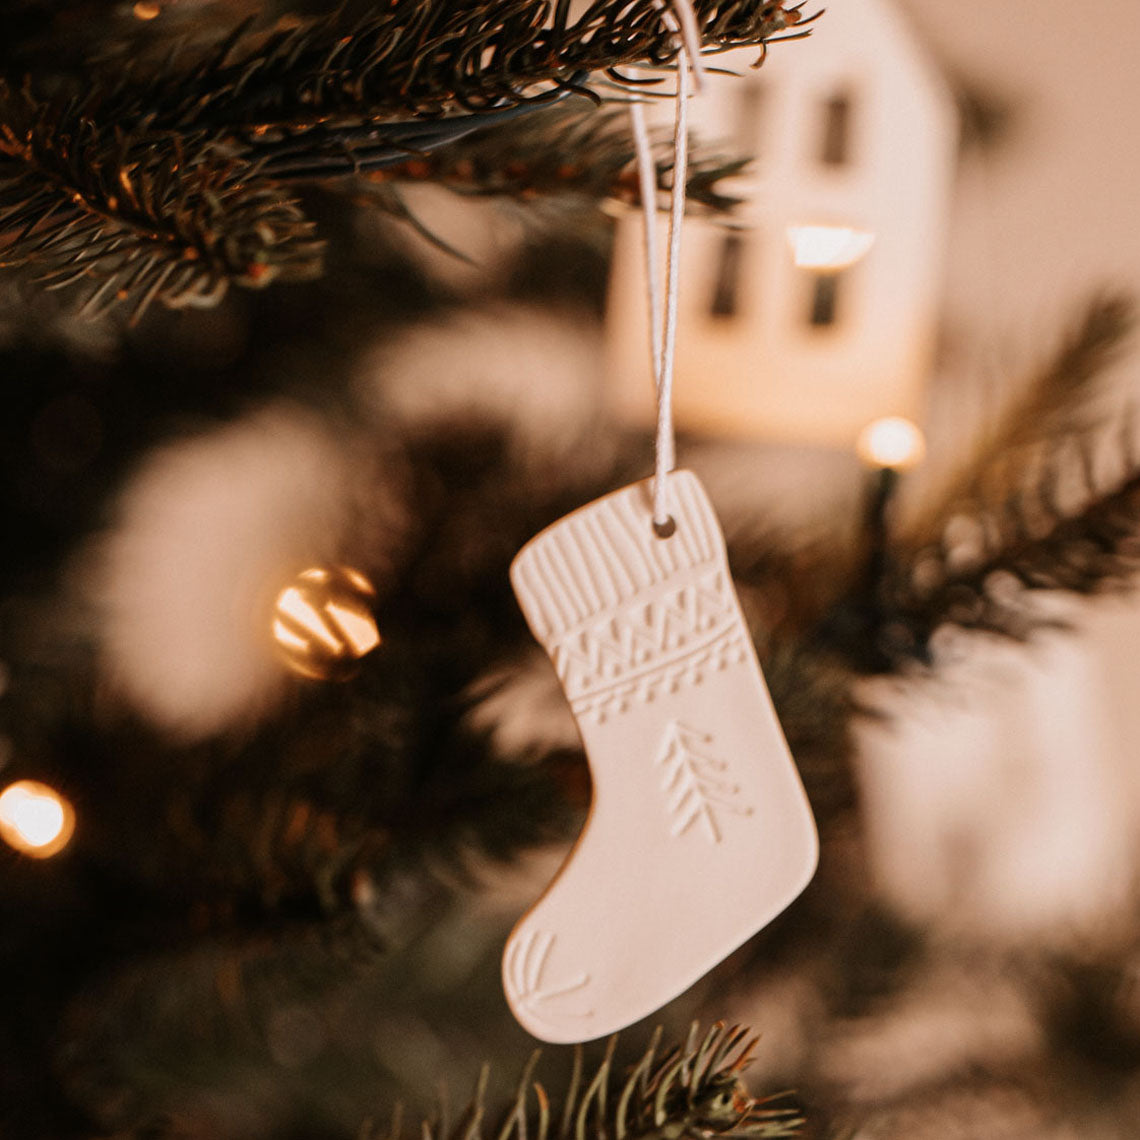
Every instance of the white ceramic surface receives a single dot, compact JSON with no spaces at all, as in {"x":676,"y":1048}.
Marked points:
{"x":699,"y":832}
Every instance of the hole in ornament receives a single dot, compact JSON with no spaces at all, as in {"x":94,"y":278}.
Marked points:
{"x":665,"y":529}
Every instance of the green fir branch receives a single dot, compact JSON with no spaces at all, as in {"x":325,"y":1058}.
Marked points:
{"x":564,"y":153}
{"x":690,"y":1092}
{"x":1056,"y":404}
{"x":424,"y":58}
{"x":1026,"y":512}
{"x":166,"y":183}
{"x":1033,"y":544}
{"x":330,"y":98}
{"x":138,"y":216}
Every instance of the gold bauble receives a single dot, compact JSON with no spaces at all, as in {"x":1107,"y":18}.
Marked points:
{"x":323,"y":623}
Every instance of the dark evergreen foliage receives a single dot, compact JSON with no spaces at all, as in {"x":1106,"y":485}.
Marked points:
{"x":226,"y":903}
{"x":164,"y":178}
{"x":692,"y":1091}
{"x":562,"y":154}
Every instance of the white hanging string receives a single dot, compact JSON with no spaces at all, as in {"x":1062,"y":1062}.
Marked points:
{"x":690,"y":38}
{"x":647,"y":181}
{"x":665,"y":447}
{"x":663,"y":327}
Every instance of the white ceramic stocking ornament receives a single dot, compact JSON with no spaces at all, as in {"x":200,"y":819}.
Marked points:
{"x":699,"y":832}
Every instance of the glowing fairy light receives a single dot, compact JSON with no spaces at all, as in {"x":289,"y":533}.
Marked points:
{"x":35,"y":819}
{"x":892,"y":441}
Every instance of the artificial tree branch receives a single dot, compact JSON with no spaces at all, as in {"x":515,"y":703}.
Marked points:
{"x":690,"y":1092}
{"x":1025,"y":512}
{"x":1035,"y":544}
{"x":424,"y":58}
{"x":167,"y":182}
{"x":1024,"y":534}
{"x":175,"y":223}
{"x":562,"y":153}
{"x":1056,"y":403}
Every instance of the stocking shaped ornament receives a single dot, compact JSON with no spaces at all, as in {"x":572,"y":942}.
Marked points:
{"x":699,"y":832}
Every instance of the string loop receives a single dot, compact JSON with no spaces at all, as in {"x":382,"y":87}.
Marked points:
{"x":663,"y":316}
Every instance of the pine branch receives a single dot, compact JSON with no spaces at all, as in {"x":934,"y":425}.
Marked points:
{"x":326,"y":98}
{"x":1022,"y":534}
{"x":424,"y":58}
{"x":1034,"y":545}
{"x":1055,"y":404}
{"x":691,"y":1092}
{"x":323,"y":152}
{"x":562,"y":153}
{"x":166,"y":183}
{"x":138,"y":216}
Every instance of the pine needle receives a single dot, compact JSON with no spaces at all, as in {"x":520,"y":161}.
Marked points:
{"x":165,"y":181}
{"x":135,"y":220}
{"x":1056,"y":403}
{"x":561,"y":153}
{"x":425,"y":58}
{"x":692,"y":1092}
{"x":1034,"y":545}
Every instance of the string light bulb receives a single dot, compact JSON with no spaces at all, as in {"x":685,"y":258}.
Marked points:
{"x":35,"y":819}
{"x":892,"y":441}
{"x":323,"y":624}
{"x":828,"y":249}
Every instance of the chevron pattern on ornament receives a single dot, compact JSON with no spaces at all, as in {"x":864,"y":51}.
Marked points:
{"x":639,"y":639}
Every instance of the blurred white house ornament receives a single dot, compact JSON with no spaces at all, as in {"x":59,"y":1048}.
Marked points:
{"x":323,"y":624}
{"x":816,"y":310}
{"x":694,"y":787}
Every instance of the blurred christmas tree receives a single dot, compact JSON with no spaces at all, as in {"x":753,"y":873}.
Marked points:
{"x":295,"y":859}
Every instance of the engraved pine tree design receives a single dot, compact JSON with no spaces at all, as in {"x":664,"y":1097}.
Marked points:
{"x":694,"y":783}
